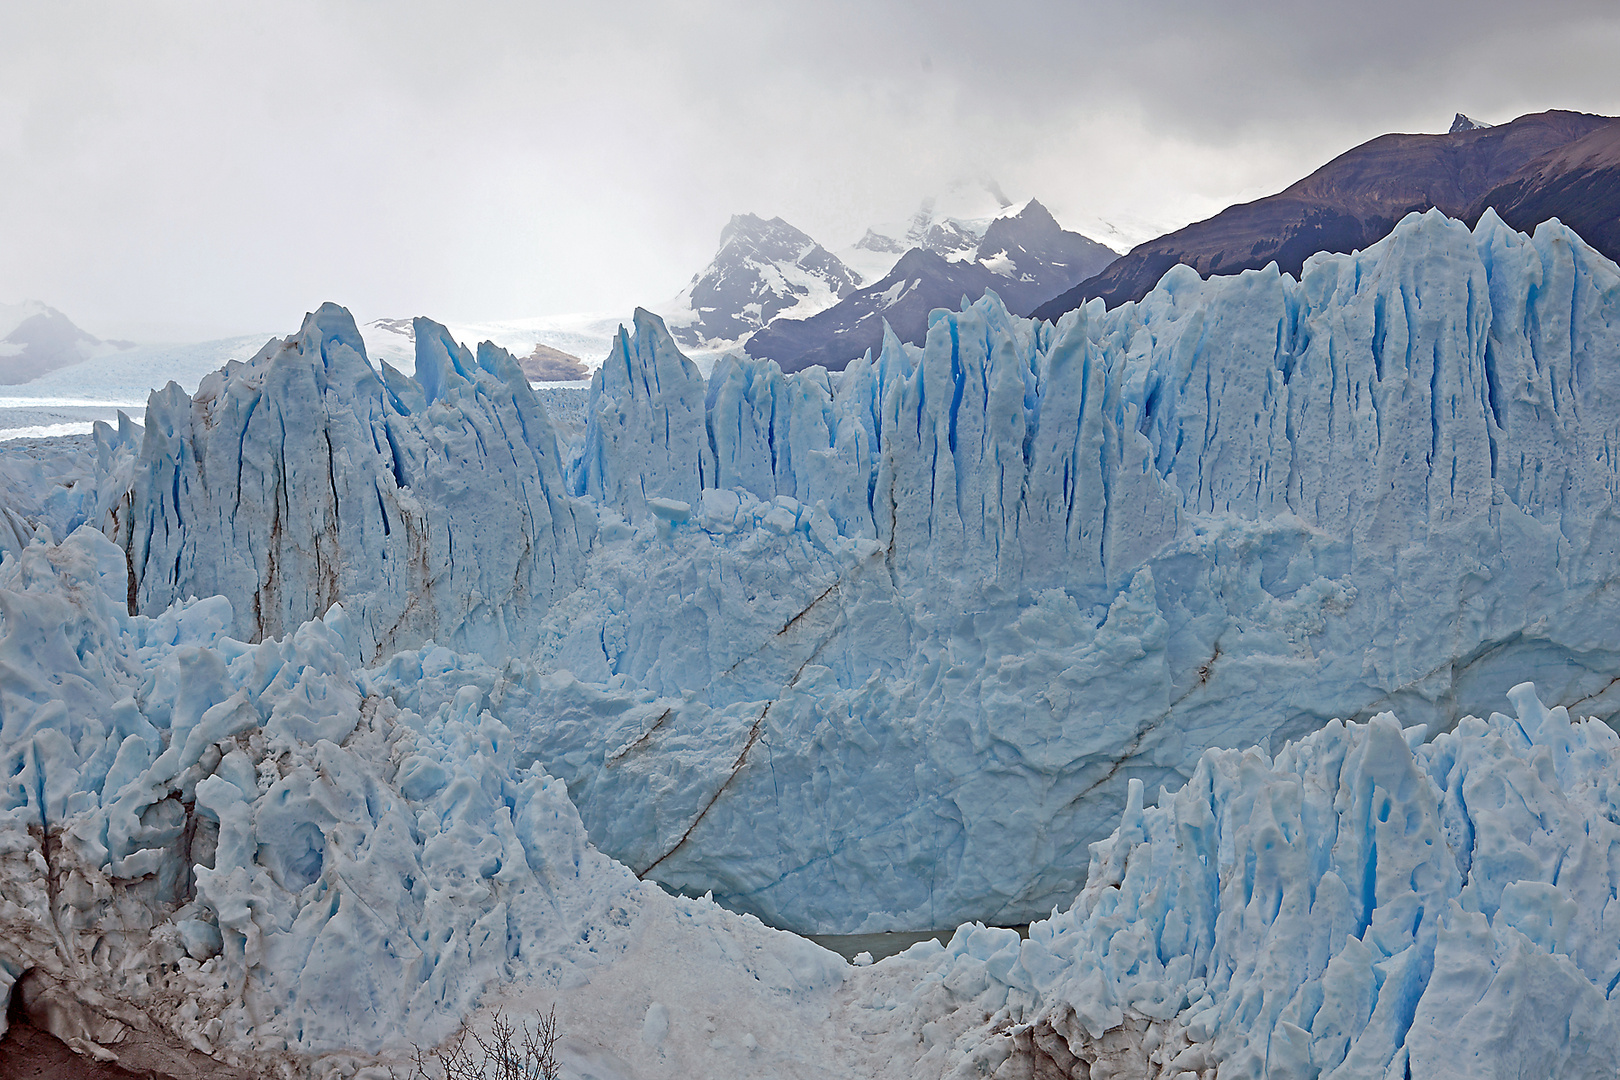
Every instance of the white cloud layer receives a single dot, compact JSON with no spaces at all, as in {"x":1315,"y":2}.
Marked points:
{"x":197,"y":169}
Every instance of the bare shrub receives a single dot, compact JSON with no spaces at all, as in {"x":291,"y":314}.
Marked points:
{"x":507,"y":1053}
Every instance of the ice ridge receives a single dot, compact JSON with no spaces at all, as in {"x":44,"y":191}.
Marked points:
{"x":47,"y":491}
{"x":431,"y":506}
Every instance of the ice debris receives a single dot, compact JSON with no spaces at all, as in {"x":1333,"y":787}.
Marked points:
{"x":50,"y":487}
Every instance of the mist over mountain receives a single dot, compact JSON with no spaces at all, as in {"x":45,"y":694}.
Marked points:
{"x":36,"y":339}
{"x":1355,"y":200}
{"x":950,"y":223}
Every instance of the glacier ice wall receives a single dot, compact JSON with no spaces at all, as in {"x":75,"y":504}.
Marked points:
{"x":887,"y":652}
{"x":901,"y":655}
{"x":432,"y":506}
{"x":1363,"y":904}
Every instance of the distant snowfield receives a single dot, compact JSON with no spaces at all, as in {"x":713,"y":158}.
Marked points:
{"x":48,"y":431}
{"x":69,"y":401}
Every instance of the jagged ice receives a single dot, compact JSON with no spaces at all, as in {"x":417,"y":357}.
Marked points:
{"x":882,"y":652}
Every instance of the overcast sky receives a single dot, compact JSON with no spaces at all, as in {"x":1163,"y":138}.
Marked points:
{"x":201,"y":169}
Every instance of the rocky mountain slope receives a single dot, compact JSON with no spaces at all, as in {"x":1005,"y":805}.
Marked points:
{"x":1355,"y":200}
{"x":949,"y":224}
{"x":1578,"y":183}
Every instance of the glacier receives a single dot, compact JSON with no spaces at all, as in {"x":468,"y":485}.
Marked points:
{"x":200,"y":837}
{"x":305,"y":476}
{"x":1370,"y":902}
{"x":47,"y":490}
{"x":326,"y":660}
{"x":974,"y":588}
{"x":264,"y":856}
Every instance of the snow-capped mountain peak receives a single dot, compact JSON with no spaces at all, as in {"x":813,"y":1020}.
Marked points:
{"x":13,"y":315}
{"x":1466,"y":123}
{"x":1020,"y":252}
{"x":763,"y":269}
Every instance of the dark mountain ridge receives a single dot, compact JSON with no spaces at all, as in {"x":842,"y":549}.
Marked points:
{"x":1354,"y":201}
{"x":920,"y":282}
{"x":1578,"y":183}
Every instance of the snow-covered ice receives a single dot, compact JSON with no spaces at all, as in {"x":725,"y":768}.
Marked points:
{"x":885,"y":652}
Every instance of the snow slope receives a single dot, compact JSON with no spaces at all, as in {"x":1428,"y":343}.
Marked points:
{"x":70,"y":400}
{"x":887,"y":656}
{"x":587,"y":335}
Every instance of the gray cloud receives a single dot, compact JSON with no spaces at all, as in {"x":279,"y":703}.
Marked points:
{"x":212,"y":168}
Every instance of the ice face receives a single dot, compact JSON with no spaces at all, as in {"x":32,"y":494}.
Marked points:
{"x":1062,"y":557}
{"x":432,"y":507}
{"x":1362,"y":904}
{"x":885,"y":653}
